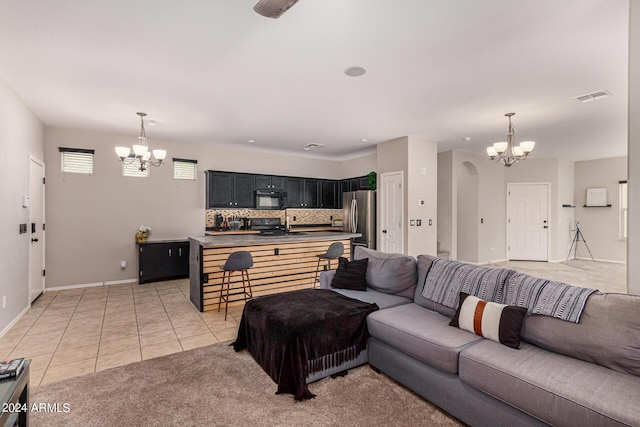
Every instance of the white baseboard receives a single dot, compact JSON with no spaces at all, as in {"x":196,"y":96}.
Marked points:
{"x":14,"y":321}
{"x":493,"y":261}
{"x":600,"y":260}
{"x":91,"y":285}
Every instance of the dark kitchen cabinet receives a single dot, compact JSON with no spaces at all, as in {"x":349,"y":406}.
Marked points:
{"x":294,"y":188}
{"x":311,"y":193}
{"x":164,"y":260}
{"x":230,"y":190}
{"x":270,"y":182}
{"x":355,"y":184}
{"x":302,"y":193}
{"x":329,"y":194}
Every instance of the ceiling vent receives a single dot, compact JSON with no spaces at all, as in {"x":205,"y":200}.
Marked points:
{"x":593,"y":96}
{"x":312,"y":146}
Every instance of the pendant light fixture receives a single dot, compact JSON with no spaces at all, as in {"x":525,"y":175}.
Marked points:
{"x":141,"y":150}
{"x":505,"y":152}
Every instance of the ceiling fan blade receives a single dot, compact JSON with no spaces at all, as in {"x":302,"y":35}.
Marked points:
{"x":273,"y":8}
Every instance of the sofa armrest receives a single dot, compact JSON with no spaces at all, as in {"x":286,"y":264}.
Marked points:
{"x":325,"y":279}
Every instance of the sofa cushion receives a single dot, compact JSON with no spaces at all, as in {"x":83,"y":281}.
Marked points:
{"x":422,"y":334}
{"x":608,"y":333}
{"x":554,"y":388}
{"x":374,"y":297}
{"x":424,"y":263}
{"x":350,"y":275}
{"x":389,"y":273}
{"x":497,"y":322}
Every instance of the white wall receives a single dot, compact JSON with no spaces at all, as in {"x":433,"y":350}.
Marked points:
{"x":92,"y":219}
{"x":422,"y":173}
{"x":445,"y":202}
{"x":467,"y":220}
{"x":633,"y":243}
{"x":21,"y":136}
{"x":417,"y":159}
{"x":601,"y":226}
{"x":358,"y":166}
{"x":393,"y":156}
{"x":491,"y":232}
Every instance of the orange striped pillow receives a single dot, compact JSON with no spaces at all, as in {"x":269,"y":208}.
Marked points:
{"x":497,"y":322}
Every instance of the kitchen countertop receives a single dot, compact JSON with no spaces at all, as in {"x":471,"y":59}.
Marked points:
{"x":300,"y":228}
{"x":253,"y":239}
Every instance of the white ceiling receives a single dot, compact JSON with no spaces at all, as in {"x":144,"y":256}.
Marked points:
{"x":217,"y":72}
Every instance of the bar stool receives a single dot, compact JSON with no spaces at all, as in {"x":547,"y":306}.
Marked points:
{"x":335,"y":251}
{"x":236,"y":261}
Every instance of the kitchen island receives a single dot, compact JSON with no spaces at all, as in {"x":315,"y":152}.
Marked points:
{"x":280,"y":263}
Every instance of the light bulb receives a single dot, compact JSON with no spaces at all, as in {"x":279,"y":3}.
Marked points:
{"x":123,"y":152}
{"x":140,"y":150}
{"x":527,"y":146}
{"x":500,"y":147}
{"x":160,"y":154}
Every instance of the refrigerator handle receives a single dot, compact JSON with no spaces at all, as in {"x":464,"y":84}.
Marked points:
{"x":354,"y":213}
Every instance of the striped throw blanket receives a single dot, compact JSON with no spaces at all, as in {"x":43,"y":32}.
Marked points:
{"x":446,"y":279}
{"x":545,"y":297}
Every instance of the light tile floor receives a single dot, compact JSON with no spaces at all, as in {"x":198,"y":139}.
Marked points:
{"x":78,"y":331}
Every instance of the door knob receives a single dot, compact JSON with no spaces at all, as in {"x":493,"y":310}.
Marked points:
{"x":34,"y":239}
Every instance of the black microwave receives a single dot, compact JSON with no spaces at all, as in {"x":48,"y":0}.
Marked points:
{"x":270,"y":199}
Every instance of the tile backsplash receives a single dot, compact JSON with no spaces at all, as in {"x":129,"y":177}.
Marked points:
{"x":302,"y":216}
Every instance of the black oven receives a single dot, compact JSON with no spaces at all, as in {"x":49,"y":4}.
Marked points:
{"x":270,"y":199}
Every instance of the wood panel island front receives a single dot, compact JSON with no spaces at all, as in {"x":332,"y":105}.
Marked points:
{"x":280,"y":263}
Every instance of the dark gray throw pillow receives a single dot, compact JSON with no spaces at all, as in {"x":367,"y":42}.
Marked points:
{"x":351,"y":275}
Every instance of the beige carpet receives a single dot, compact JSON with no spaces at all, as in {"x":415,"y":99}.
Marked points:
{"x":213,"y":385}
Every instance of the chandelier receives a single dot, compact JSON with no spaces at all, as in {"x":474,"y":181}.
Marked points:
{"x":505,"y":152}
{"x":141,"y":151}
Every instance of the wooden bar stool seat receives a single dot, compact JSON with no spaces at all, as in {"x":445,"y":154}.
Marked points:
{"x":335,"y":251}
{"x":236,"y":261}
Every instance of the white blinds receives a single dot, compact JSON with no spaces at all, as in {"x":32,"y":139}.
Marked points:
{"x":184,"y":169}
{"x":76,"y":161}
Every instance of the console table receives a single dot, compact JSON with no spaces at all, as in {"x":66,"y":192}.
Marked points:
{"x":14,"y":397}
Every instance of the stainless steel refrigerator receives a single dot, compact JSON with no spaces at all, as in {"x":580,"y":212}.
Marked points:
{"x":359,"y":216}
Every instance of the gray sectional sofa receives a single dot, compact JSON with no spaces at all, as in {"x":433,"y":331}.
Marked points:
{"x":563,"y":374}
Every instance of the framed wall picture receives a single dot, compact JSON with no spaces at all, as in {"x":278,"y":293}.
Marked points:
{"x":596,"y":197}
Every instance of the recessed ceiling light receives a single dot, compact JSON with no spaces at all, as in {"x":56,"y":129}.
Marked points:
{"x":251,"y":140}
{"x":467,"y":138}
{"x":355,"y":71}
{"x":364,"y":140}
{"x":312,"y":146}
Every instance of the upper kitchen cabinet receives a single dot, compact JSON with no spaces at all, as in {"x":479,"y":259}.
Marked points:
{"x":329,"y":194}
{"x":271,"y":182}
{"x":302,"y":193}
{"x":355,"y":184}
{"x":230,"y":190}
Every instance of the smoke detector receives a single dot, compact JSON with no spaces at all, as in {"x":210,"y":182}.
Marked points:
{"x":593,"y":96}
{"x":312,"y":146}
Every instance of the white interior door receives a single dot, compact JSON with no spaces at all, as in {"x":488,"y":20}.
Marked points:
{"x":391,"y":212}
{"x":528,"y":221}
{"x":36,"y":228}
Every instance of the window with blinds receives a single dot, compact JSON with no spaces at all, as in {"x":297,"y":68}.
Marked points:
{"x":76,"y":160}
{"x":184,"y":169}
{"x":132,"y":168}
